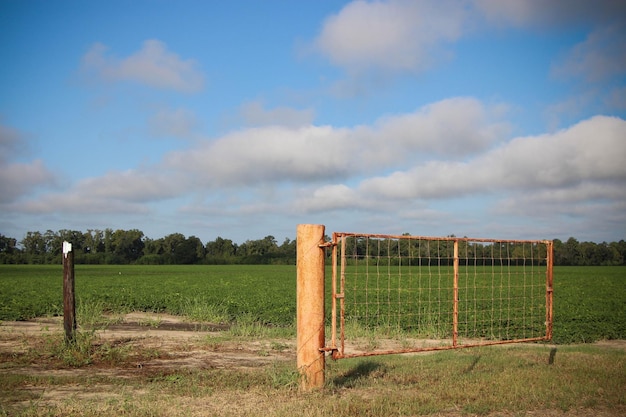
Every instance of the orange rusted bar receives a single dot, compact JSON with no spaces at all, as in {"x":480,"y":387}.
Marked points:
{"x":549,"y":288}
{"x":435,"y":238}
{"x":455,"y":307}
{"x":333,"y":324}
{"x":310,"y":337}
{"x":435,"y":348}
{"x":342,"y":302}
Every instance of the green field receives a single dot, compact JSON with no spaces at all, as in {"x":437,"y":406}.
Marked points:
{"x":589,"y":302}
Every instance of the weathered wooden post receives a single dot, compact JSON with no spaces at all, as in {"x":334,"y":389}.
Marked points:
{"x":69,"y":301}
{"x":310,"y":305}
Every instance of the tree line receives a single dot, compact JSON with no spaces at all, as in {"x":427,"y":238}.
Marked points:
{"x":409,"y":251}
{"x":132,"y":247}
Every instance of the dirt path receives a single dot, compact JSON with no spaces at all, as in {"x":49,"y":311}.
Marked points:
{"x":175,"y":343}
{"x":157,"y":345}
{"x":182,"y":344}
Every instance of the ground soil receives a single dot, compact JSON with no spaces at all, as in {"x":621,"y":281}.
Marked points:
{"x":187,"y":344}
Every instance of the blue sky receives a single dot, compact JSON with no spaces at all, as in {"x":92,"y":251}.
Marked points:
{"x":242,"y":119}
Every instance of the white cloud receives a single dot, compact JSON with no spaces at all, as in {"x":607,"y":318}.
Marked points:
{"x":179,"y":123}
{"x":559,"y":180}
{"x":456,"y":127}
{"x":132,"y":186}
{"x":11,"y":142}
{"x":447,"y":150}
{"x":327,"y":197}
{"x":600,"y":57}
{"x":19,"y":178}
{"x":254,"y":114}
{"x":274,"y":153}
{"x":75,"y":203}
{"x":590,"y":151}
{"x":372,"y":41}
{"x":115,"y":192}
{"x":262,"y":158}
{"x":571,"y":201}
{"x":616,"y":99}
{"x":397,"y":35}
{"x":153,"y":65}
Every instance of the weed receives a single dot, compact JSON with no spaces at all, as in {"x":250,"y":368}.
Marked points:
{"x":153,"y":322}
{"x":92,"y":314}
{"x":202,"y":310}
{"x":283,"y":377}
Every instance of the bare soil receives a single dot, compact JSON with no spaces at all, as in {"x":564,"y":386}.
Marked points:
{"x":160,"y":344}
{"x":167,"y":344}
{"x":187,"y":344}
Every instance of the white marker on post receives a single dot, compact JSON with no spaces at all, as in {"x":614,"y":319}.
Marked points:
{"x":67,"y":248}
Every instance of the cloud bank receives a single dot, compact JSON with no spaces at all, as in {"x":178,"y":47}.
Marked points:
{"x":153,"y":65}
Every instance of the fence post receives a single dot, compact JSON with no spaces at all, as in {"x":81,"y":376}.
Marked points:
{"x":69,"y":302}
{"x":310,"y":305}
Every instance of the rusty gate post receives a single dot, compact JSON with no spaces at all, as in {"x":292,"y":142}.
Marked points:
{"x":310,"y":305}
{"x":455,"y":289}
{"x":69,"y":301}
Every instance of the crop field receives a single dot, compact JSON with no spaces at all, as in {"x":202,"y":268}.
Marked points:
{"x":589,"y":302}
{"x":150,"y":358}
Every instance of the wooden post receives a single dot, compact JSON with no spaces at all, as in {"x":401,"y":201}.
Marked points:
{"x":310,"y":306}
{"x":69,"y":301}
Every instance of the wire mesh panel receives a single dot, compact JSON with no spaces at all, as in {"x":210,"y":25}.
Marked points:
{"x":395,"y":294}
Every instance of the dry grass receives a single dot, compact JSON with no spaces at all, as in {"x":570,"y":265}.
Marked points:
{"x":181,"y":373}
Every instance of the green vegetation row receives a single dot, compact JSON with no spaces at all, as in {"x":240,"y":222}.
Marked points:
{"x":122,"y":247}
{"x":589,"y":302}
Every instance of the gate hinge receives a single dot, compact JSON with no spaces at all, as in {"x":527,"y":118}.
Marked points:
{"x":334,"y":352}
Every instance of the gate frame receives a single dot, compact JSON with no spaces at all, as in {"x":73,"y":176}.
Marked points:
{"x":310,"y":340}
{"x":338,"y":352}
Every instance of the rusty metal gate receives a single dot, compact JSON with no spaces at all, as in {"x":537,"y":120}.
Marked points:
{"x":400,"y":294}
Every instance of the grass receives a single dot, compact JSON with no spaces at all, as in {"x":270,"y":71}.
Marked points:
{"x":588,"y":301}
{"x":513,"y":380}
{"x":97,"y":377}
{"x":268,"y":292}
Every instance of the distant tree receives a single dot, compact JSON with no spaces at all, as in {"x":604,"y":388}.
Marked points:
{"x":618,"y":250}
{"x":131,"y":246}
{"x":35,"y":248}
{"x":571,"y":252}
{"x":9,"y":252}
{"x":127,"y":246}
{"x":94,"y":241}
{"x":220,"y":251}
{"x":153,"y":247}
{"x":7,"y":244}
{"x":189,"y":251}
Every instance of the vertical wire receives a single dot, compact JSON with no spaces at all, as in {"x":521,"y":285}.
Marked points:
{"x":398,"y":327}
{"x":493,"y":261}
{"x":508,"y":295}
{"x":438,"y":287}
{"x":356,"y":270}
{"x":367,"y":279}
{"x":430,"y":279}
